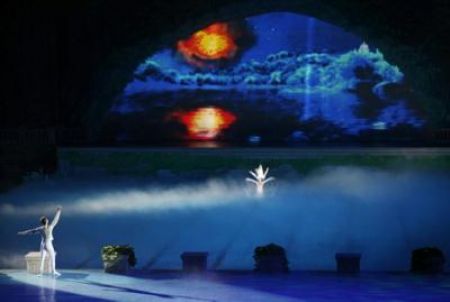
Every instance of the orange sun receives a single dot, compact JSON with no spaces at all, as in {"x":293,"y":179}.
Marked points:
{"x":211,"y":43}
{"x":205,"y":123}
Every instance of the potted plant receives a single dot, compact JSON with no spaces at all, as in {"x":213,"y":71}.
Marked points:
{"x":270,"y":258}
{"x":117,"y":259}
{"x":348,"y":263}
{"x":427,"y":260}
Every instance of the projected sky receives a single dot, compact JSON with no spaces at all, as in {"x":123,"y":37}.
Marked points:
{"x":277,"y":78}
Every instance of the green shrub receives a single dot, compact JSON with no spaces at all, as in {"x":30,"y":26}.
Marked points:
{"x":112,"y":252}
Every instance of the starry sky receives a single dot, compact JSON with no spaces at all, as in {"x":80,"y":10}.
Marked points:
{"x":297,"y":33}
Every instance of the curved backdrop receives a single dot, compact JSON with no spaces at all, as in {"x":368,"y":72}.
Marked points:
{"x":273,"y":79}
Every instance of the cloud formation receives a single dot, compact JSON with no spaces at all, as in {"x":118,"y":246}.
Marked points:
{"x":304,"y":72}
{"x":212,"y":193}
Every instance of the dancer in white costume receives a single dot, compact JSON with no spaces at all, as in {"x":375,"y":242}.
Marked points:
{"x":46,"y":231}
{"x":260,"y":179}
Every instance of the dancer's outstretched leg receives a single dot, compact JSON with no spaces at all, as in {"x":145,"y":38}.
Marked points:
{"x":43,"y":256}
{"x":52,"y":255}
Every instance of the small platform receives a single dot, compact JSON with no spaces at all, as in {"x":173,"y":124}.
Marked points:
{"x":33,"y":260}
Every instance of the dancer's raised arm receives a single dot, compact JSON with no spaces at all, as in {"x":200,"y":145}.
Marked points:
{"x":268,"y":179}
{"x":251,"y":180}
{"x":253,"y":174}
{"x":31,"y":231}
{"x":56,"y":219}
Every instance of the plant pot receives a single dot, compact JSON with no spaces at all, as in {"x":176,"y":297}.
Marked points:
{"x":348,"y":263}
{"x":118,"y":265}
{"x":270,"y":258}
{"x":427,"y":260}
{"x":272,"y":264}
{"x":194,"y":261}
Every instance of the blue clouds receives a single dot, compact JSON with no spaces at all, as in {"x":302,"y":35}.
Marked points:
{"x":312,"y":72}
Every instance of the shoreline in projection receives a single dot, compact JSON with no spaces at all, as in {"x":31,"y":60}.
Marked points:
{"x":315,"y":72}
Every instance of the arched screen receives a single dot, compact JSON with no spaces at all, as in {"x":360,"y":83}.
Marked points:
{"x":272,"y":79}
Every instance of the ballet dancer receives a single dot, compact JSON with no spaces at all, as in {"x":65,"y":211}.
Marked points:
{"x":46,"y":232}
{"x":259,"y":179}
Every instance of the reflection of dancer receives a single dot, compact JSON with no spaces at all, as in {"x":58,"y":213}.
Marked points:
{"x":46,"y":231}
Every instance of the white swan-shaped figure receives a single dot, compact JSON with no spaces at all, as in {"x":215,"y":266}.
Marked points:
{"x":259,"y":179}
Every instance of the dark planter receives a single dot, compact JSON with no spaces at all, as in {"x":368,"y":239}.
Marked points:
{"x":118,"y":265}
{"x":428,"y":260}
{"x":348,"y":263}
{"x":270,"y":259}
{"x":194,"y":261}
{"x":117,"y":259}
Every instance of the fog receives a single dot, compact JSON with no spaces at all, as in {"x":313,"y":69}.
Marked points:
{"x":381,"y":214}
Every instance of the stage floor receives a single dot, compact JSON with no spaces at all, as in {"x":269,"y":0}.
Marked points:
{"x":272,"y":152}
{"x":94,"y":285}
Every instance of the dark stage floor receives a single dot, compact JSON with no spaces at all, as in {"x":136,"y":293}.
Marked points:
{"x":283,"y":153}
{"x":94,"y":285}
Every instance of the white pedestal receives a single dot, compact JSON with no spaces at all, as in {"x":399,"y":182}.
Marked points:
{"x":33,"y":260}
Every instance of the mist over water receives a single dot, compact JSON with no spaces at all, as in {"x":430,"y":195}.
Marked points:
{"x":382,"y":214}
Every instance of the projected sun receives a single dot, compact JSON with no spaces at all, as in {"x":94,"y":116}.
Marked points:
{"x":205,"y":123}
{"x":211,"y":43}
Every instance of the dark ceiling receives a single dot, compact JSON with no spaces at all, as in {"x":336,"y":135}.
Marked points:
{"x":65,"y":61}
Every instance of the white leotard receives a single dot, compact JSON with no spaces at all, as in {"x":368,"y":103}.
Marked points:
{"x":45,"y":232}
